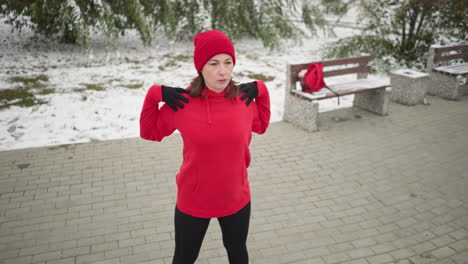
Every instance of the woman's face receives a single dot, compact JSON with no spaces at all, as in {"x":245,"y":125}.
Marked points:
{"x":217,"y":72}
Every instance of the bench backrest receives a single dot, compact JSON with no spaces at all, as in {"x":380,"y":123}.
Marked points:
{"x":446,"y":53}
{"x":362,"y":69}
{"x":442,"y":55}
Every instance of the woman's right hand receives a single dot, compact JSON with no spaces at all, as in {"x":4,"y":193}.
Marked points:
{"x":172,"y":97}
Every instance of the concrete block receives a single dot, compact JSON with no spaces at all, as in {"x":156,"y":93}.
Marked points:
{"x":300,"y":112}
{"x":447,"y":86}
{"x":376,"y":101}
{"x":409,"y":87}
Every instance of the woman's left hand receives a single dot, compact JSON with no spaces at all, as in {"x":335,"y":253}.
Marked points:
{"x":251,"y":91}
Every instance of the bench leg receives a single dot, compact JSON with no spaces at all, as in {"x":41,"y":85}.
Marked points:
{"x":447,"y":86}
{"x":300,"y":112}
{"x":376,"y":101}
{"x":408,"y":90}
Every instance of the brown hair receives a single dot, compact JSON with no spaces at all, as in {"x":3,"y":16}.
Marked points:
{"x":198,"y":84}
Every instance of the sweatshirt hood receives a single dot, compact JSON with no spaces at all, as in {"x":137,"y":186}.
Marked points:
{"x":210,"y":93}
{"x":206,"y":94}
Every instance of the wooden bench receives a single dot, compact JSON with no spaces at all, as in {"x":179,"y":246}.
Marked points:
{"x":302,"y":108}
{"x":448,"y":79}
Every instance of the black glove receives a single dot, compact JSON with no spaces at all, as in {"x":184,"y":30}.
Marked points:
{"x":250,"y":90}
{"x":170,"y":96}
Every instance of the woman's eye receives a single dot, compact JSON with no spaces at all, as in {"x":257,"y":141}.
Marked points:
{"x":228,"y":62}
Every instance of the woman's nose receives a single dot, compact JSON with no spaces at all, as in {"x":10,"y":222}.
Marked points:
{"x":223,"y":70}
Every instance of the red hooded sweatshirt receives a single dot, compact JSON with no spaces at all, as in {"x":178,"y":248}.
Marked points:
{"x":216,"y":131}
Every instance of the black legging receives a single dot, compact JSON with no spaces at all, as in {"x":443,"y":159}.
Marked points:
{"x":190,"y":231}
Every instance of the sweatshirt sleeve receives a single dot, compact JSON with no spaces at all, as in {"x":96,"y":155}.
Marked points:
{"x":262,"y":117}
{"x":155,"y":123}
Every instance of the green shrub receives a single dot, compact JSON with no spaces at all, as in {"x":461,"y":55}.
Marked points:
{"x":401,"y":31}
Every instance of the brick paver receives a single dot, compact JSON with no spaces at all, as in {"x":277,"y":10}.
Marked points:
{"x":363,"y":189}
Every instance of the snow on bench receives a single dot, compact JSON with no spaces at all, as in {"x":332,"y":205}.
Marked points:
{"x":461,"y":69}
{"x":358,"y":86}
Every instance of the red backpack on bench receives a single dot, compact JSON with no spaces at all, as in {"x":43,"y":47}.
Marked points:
{"x":313,"y":78}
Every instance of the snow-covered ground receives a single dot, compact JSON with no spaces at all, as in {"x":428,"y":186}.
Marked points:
{"x":98,"y":95}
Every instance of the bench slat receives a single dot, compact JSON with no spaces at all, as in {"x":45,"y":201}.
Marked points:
{"x":332,"y":95}
{"x":359,"y":69}
{"x":454,"y":70}
{"x":296,"y":68}
{"x":358,"y":86}
{"x":439,"y":58}
{"x":361,"y":59}
{"x":451,"y":48}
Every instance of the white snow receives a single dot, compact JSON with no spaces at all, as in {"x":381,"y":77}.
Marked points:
{"x":410,"y":73}
{"x":461,"y":69}
{"x":74,"y":114}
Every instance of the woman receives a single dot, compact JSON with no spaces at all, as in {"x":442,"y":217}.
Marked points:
{"x":216,"y":126}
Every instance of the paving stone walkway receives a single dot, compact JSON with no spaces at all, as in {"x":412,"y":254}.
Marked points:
{"x":364,"y":189}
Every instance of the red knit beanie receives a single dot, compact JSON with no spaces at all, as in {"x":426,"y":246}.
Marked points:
{"x":211,"y":43}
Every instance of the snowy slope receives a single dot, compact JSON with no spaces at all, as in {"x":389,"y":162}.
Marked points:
{"x":75,"y":114}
